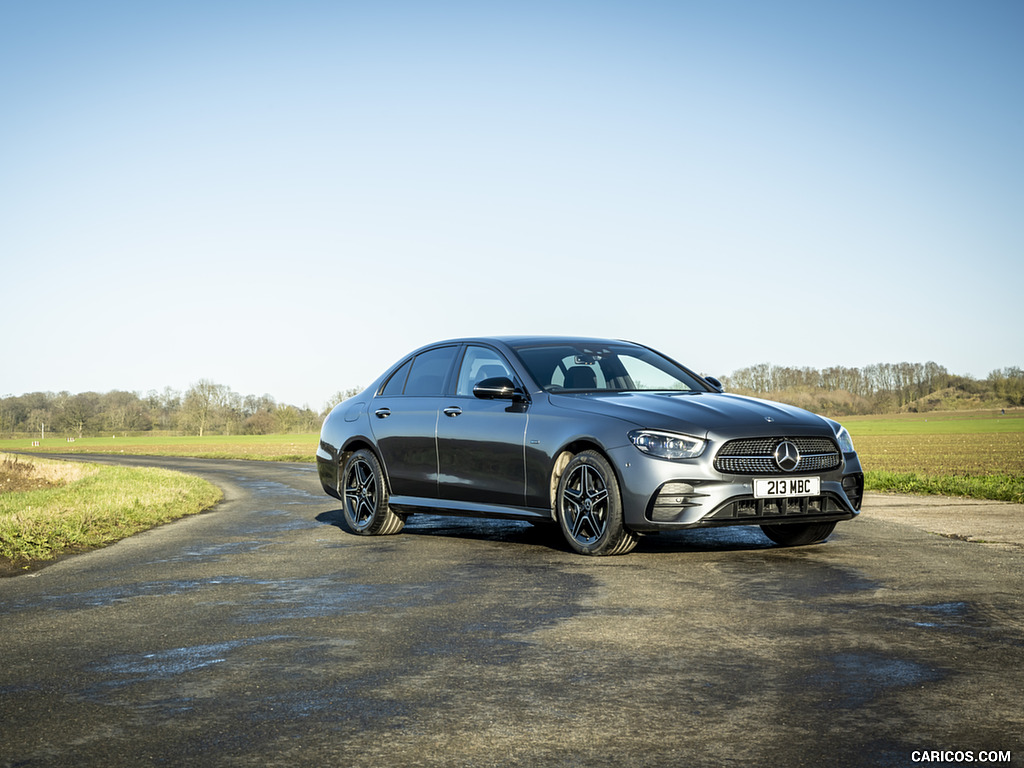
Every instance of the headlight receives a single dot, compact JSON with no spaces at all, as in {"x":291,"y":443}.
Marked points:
{"x":667,"y":445}
{"x":845,"y":441}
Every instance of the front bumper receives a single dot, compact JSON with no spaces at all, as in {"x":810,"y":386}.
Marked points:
{"x":662,"y":495}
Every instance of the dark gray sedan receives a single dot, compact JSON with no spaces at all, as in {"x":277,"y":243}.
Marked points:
{"x":610,"y":440}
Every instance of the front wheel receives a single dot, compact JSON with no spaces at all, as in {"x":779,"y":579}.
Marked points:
{"x":589,"y":508}
{"x":364,"y":497}
{"x":798,"y":534}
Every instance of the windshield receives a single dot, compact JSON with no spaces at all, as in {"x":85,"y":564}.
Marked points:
{"x":594,"y":367}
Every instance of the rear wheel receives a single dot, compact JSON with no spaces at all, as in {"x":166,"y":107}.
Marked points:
{"x":798,"y":534}
{"x":589,"y":508}
{"x":364,"y":497}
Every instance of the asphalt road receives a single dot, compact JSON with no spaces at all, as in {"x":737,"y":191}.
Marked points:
{"x":262,"y":634}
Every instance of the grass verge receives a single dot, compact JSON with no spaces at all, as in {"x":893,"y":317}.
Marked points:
{"x":291,"y":447}
{"x":90,"y":506}
{"x":994,"y":487}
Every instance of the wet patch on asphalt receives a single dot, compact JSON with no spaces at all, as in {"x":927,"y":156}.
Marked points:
{"x":941,"y":615}
{"x":285,"y":521}
{"x":173,"y":680}
{"x":853,"y":680}
{"x":210,"y":553}
{"x":162,"y":665}
{"x":288,"y":599}
{"x":963,"y":619}
{"x":100,"y":598}
{"x":271,"y":488}
{"x":789,"y":575}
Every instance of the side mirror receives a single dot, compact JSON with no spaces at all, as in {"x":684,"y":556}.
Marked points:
{"x":499,"y":388}
{"x":715,"y":383}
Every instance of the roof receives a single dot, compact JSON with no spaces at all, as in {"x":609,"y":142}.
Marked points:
{"x":528,"y":340}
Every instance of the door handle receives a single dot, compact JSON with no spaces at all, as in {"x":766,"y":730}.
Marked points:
{"x":453,"y":411}
{"x":382,"y":413}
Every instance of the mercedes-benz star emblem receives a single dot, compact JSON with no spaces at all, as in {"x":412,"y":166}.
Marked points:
{"x":787,"y":455}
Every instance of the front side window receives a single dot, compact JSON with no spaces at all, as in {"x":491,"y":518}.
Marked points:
{"x":480,"y":363}
{"x":587,"y":367}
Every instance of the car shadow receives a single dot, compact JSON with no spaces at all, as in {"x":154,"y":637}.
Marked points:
{"x":479,"y":529}
{"x":725,"y":539}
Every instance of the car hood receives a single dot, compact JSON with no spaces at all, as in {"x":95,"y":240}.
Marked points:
{"x":698,"y":414}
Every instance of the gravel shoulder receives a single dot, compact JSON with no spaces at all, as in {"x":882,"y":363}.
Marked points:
{"x":995,"y":523}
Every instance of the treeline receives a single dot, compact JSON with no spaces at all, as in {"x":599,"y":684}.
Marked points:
{"x":204,"y":408}
{"x":879,"y":388}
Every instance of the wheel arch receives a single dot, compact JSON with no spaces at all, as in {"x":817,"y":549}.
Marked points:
{"x":360,"y":443}
{"x":564,"y":455}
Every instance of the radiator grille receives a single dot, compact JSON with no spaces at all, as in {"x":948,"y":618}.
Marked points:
{"x":755,"y":456}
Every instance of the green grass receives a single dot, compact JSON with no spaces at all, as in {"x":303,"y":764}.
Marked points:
{"x":994,"y":487}
{"x":937,"y":423}
{"x":300,"y":447}
{"x":96,"y":506}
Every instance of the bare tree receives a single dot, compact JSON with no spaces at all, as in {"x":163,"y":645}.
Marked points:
{"x":200,"y":405}
{"x":339,"y":397}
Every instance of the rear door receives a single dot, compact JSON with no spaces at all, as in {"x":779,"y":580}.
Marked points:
{"x":404,"y":421}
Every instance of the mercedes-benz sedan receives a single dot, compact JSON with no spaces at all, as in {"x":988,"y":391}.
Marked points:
{"x":609,"y":440}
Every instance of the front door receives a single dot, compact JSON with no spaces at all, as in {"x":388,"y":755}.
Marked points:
{"x":480,"y":443}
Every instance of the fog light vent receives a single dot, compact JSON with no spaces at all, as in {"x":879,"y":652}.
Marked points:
{"x":672,"y":500}
{"x":854,"y":487}
{"x":676,"y":489}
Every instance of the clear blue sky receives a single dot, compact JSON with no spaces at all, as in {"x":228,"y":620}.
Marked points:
{"x":285,"y":197}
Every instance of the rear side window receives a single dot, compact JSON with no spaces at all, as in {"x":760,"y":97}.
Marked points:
{"x":429,"y":372}
{"x":396,"y":383}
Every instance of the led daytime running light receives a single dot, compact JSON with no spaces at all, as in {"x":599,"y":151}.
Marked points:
{"x":667,"y":445}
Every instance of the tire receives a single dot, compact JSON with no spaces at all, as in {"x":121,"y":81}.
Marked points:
{"x":798,"y":534}
{"x":364,"y":497}
{"x":589,"y":508}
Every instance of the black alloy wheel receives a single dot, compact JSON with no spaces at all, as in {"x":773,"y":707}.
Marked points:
{"x":364,"y":497}
{"x":589,"y":507}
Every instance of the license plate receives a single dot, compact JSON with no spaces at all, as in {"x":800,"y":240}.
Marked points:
{"x":783,"y":487}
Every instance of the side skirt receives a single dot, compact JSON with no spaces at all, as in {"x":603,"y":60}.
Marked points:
{"x":410,"y":505}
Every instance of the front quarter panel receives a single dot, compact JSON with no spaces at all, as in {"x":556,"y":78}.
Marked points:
{"x":553,"y":430}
